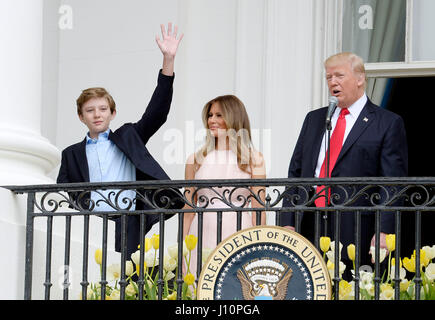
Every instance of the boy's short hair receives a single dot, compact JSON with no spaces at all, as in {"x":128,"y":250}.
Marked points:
{"x":90,"y":93}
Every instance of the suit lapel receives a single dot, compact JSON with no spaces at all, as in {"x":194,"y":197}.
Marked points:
{"x":123,"y":147}
{"x":365,"y":119}
{"x":82,"y":161}
{"x":317,"y":140}
{"x":117,"y":141}
{"x":139,"y":156}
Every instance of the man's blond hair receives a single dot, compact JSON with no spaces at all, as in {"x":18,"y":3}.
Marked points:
{"x":355,"y":61}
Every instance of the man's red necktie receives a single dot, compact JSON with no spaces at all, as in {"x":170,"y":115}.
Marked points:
{"x":335,"y":146}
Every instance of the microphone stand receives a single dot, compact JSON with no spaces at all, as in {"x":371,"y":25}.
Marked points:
{"x":327,"y":175}
{"x":333,"y":101}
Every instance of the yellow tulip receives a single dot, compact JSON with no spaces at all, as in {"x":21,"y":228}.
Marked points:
{"x":325,"y":243}
{"x":191,"y":241}
{"x":189,"y":279}
{"x":393,"y":262}
{"x":385,"y":286}
{"x":387,"y":292}
{"x":404,"y":284}
{"x":155,"y":240}
{"x":99,"y":256}
{"x":138,"y":268}
{"x":391,"y":242}
{"x":424,"y":261}
{"x":345,"y":289}
{"x":424,"y":258}
{"x":172,"y":296}
{"x":148,"y":244}
{"x":351,"y":251}
{"x":409,"y":264}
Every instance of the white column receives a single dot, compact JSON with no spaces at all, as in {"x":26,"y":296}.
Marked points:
{"x":25,"y":156}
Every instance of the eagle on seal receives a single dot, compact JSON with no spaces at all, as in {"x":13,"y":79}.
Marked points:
{"x":252,"y":289}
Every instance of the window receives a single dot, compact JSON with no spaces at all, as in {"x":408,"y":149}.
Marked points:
{"x":394,"y":37}
{"x":375,"y":30}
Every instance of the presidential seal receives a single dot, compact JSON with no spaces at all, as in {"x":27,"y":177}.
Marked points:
{"x":264,"y":263}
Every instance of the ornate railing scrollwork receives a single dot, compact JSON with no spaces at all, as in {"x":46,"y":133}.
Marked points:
{"x":233,"y":195}
{"x":280,"y":196}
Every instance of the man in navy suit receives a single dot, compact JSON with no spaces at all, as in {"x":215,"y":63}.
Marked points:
{"x":121,"y":155}
{"x":374,"y":145}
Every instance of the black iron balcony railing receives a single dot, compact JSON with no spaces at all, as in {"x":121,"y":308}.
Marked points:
{"x":395,"y":196}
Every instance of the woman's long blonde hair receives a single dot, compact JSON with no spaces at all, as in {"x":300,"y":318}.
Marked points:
{"x":238,"y":131}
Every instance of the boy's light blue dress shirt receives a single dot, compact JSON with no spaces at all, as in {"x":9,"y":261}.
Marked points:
{"x":107,"y":163}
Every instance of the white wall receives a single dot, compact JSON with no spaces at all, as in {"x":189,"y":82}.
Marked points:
{"x":260,"y":50}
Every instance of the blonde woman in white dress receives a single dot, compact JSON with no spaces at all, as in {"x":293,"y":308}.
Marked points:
{"x":228,"y":153}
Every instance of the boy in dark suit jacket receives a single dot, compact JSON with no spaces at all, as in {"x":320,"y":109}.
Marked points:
{"x":121,"y":155}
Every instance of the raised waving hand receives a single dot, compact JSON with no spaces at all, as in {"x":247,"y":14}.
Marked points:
{"x":168,"y":46}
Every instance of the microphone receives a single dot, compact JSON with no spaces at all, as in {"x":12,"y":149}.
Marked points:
{"x":333,"y":101}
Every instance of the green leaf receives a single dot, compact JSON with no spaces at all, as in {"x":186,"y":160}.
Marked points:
{"x":147,"y":290}
{"x":404,"y":296}
{"x":166,"y":289}
{"x":184,"y":291}
{"x":135,"y":286}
